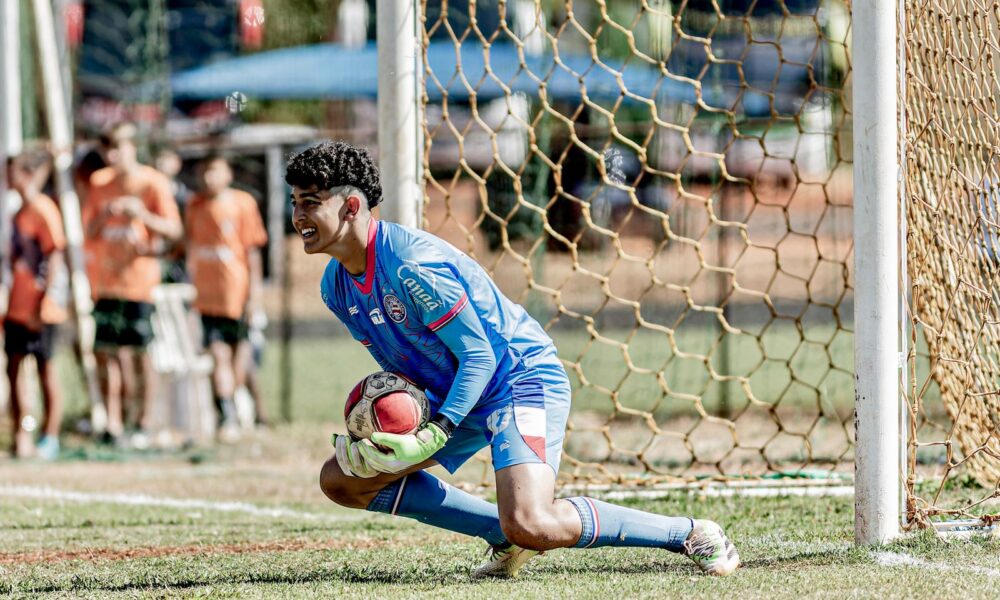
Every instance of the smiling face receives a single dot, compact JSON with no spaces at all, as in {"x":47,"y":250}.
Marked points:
{"x":324,"y":218}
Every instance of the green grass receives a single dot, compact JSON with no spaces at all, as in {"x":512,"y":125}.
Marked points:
{"x":791,"y":547}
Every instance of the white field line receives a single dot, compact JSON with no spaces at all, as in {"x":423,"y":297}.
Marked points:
{"x":725,"y":491}
{"x":897,"y":559}
{"x":48,"y":493}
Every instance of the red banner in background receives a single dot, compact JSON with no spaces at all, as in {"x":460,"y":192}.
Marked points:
{"x":252,"y":23}
{"x":73,"y":18}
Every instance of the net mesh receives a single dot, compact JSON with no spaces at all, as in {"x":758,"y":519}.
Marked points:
{"x":952,"y":171}
{"x":666,"y":187}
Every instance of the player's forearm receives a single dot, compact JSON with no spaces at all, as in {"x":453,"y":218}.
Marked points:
{"x":169,"y":229}
{"x":467,"y":340}
{"x":474,"y":374}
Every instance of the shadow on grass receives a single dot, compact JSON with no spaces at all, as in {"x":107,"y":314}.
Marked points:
{"x":344,"y":575}
{"x":679,"y":566}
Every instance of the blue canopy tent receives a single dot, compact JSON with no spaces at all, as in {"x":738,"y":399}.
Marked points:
{"x":332,"y":71}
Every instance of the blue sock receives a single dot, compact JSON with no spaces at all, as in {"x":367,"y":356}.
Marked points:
{"x":427,"y":499}
{"x":609,"y":525}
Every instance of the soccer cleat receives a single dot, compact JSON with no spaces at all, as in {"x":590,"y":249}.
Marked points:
{"x":710,"y":549}
{"x":48,"y":447}
{"x":504,"y":562}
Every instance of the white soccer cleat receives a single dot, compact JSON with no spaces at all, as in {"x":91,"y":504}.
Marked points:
{"x":710,"y":549}
{"x":504,"y":563}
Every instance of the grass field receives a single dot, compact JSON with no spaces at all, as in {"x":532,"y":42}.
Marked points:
{"x":249,"y":520}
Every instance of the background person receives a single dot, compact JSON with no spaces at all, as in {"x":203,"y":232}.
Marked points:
{"x":224,"y":236}
{"x":38,"y":299}
{"x":130,"y":209}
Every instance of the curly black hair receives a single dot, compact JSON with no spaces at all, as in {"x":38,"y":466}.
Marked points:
{"x":333,"y":164}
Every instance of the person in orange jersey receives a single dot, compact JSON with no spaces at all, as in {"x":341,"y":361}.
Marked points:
{"x":38,"y":298}
{"x":129,"y":215}
{"x":224,"y":237}
{"x":91,"y":162}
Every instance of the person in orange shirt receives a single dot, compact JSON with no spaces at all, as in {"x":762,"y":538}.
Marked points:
{"x":129,"y":215}
{"x":91,"y":162}
{"x":38,"y":298}
{"x":224,"y":237}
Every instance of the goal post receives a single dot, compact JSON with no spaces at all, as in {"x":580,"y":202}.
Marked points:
{"x":10,"y":123}
{"x":61,"y":139}
{"x":400,"y":110}
{"x":876,"y":263}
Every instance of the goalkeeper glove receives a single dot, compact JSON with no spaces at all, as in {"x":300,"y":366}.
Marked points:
{"x":403,"y":451}
{"x":349,"y":457}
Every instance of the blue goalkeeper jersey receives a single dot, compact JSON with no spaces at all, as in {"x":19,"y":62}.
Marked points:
{"x":414,"y":285}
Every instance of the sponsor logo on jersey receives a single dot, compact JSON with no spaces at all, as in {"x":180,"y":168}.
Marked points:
{"x":413,"y":278}
{"x":394,"y":308}
{"x":376,"y":317}
{"x":353,"y":310}
{"x":420,"y":294}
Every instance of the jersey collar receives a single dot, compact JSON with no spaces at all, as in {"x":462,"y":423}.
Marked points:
{"x":366,"y":287}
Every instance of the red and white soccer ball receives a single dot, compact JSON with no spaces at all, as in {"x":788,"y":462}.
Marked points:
{"x":385,"y":402}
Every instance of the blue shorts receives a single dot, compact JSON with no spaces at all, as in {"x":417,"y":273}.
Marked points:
{"x":527,"y":424}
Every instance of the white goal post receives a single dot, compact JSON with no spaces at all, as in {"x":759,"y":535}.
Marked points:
{"x":876,"y":262}
{"x":400,"y":110}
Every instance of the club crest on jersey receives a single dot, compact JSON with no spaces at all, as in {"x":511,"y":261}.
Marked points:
{"x":376,"y":317}
{"x":394,"y":308}
{"x":413,"y":278}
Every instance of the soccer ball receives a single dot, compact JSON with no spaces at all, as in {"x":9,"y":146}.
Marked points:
{"x":386,"y":402}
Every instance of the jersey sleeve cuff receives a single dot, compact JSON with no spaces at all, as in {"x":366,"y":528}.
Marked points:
{"x":451,"y":314}
{"x":446,"y":425}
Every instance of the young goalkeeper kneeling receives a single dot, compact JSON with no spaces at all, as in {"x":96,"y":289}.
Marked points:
{"x":427,"y":311}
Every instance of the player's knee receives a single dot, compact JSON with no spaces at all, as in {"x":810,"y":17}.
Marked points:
{"x":340,"y":488}
{"x":526,"y":528}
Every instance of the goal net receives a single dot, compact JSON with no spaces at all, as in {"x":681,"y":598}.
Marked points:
{"x":667,"y":186}
{"x":951,"y":185}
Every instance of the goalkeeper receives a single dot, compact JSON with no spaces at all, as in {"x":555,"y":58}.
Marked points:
{"x":425,"y":310}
